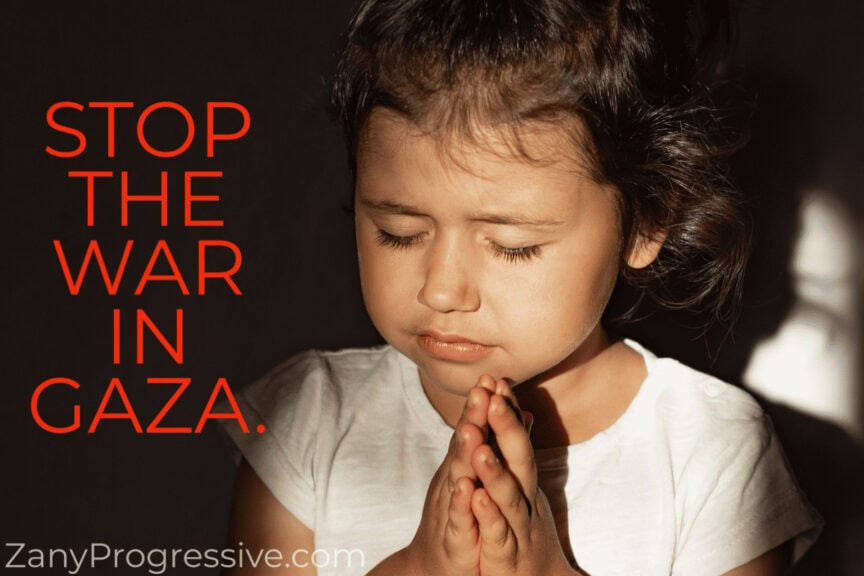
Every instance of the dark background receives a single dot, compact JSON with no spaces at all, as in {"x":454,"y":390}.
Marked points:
{"x":283,"y":199}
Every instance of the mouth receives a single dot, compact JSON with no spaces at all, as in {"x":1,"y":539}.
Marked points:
{"x":452,"y":347}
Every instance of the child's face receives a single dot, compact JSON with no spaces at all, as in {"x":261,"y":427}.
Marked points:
{"x":490,"y":264}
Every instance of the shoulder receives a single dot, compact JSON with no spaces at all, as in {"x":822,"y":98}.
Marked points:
{"x":311,"y":392}
{"x":301,"y":410}
{"x":710,"y":430}
{"x":335,"y":366}
{"x":317,"y":374}
{"x":730,"y":478}
{"x":692,"y":404}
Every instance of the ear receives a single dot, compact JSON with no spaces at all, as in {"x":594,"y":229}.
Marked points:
{"x":645,"y":250}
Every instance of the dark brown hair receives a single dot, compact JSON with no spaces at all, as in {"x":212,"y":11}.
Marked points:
{"x":628,"y":70}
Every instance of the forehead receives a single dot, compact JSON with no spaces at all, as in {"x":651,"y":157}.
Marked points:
{"x":557,"y":144}
{"x":409,"y":170}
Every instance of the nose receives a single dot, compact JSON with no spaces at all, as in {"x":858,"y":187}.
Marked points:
{"x":450,"y":281}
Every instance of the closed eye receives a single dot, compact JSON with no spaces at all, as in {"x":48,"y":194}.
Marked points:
{"x":387,"y":239}
{"x":522,"y":253}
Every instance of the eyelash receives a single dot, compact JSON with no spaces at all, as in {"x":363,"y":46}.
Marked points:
{"x":398,"y":242}
{"x":516,"y":254}
{"x":520,"y":254}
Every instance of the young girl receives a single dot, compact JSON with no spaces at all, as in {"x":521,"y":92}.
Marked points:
{"x":513,"y":161}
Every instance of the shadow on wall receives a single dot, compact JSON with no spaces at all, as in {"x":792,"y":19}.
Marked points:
{"x":806,"y":157}
{"x":797,"y":343}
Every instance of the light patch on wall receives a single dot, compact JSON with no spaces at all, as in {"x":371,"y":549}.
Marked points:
{"x":812,"y":363}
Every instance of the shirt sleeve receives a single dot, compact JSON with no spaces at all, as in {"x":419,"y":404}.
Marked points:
{"x":287,"y":402}
{"x":741,"y":500}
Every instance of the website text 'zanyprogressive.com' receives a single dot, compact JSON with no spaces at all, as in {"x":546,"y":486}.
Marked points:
{"x":160,"y":560}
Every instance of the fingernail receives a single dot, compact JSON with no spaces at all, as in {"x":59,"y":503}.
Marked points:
{"x":499,"y":408}
{"x":486,"y":382}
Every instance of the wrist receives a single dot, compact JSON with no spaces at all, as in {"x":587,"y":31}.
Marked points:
{"x":568,"y":570}
{"x":409,"y":561}
{"x":400,"y":563}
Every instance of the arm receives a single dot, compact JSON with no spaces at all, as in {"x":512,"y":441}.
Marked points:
{"x":772,"y":563}
{"x":262,"y":523}
{"x":397,"y":564}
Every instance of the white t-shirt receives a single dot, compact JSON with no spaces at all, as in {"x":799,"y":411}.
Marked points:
{"x":690,"y":480}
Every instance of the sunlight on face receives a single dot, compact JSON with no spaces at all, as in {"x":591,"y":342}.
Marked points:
{"x":474,"y":261}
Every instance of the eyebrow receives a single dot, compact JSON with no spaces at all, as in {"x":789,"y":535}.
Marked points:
{"x":491,"y":218}
{"x":391,"y":207}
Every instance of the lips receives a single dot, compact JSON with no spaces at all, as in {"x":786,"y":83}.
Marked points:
{"x":452,"y":347}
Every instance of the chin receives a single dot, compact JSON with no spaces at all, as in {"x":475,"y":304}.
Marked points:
{"x":454,"y":378}
{"x":458,"y":378}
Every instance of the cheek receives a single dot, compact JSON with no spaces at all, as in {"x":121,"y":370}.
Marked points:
{"x":371,"y":275}
{"x":382,"y":281}
{"x":370,"y":284}
{"x":567,"y":297}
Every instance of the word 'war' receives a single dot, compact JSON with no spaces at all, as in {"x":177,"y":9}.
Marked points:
{"x":162,"y":256}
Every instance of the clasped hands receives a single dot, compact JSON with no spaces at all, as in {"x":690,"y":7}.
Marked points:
{"x":485,"y":516}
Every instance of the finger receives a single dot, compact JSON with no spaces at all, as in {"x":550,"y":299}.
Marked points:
{"x":487,"y":382}
{"x":514,"y":443}
{"x":461,"y":534}
{"x":503,"y":388}
{"x":461,"y":524}
{"x":497,"y":541}
{"x":474,"y":411}
{"x":469,"y":433}
{"x":477,"y":402}
{"x":504,"y":491}
{"x":528,"y":418}
{"x":468,"y":438}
